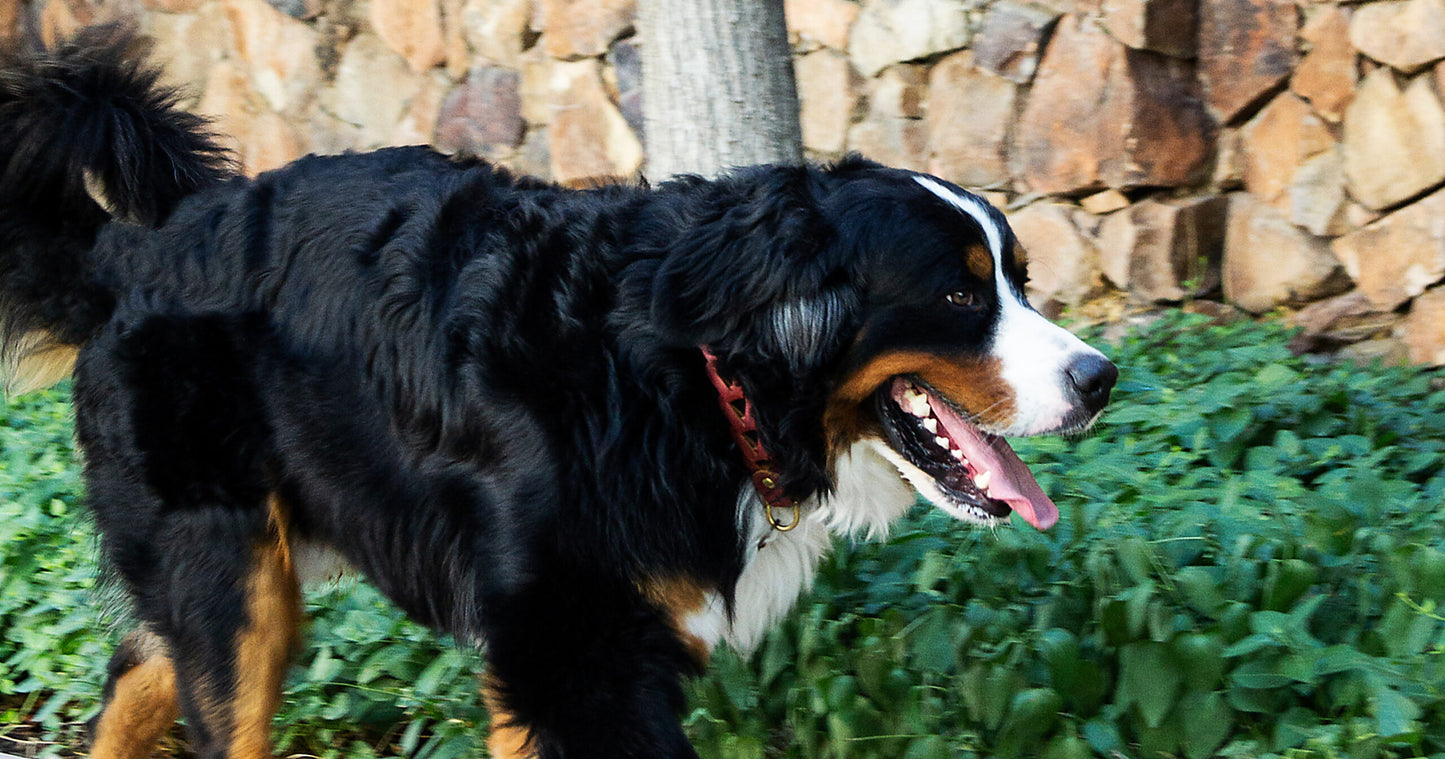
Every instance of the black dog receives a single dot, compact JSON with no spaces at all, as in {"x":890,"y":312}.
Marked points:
{"x":600,"y":431}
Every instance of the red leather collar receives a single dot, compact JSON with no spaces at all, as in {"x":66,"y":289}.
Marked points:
{"x":739,"y":412}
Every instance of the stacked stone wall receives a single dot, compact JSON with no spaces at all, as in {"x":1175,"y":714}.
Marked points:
{"x":1265,"y":154}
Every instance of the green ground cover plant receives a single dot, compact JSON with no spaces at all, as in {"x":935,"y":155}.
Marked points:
{"x":1250,"y":563}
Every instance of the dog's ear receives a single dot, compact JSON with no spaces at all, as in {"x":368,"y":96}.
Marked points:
{"x":750,"y":267}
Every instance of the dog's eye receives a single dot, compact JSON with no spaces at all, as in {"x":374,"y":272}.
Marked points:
{"x":962,"y":299}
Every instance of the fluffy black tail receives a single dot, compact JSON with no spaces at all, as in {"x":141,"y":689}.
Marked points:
{"x":86,"y":136}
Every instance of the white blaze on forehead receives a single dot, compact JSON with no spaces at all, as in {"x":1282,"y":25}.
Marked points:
{"x":973,"y":207}
{"x":1033,"y":352}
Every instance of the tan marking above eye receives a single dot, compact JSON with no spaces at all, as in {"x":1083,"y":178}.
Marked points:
{"x":971,"y":382}
{"x":980,"y":262}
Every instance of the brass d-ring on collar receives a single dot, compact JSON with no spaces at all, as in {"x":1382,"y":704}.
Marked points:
{"x":744,"y":426}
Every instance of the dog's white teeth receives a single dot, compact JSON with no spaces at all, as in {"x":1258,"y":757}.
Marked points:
{"x":931,"y":425}
{"x":918,"y":405}
{"x":957,"y":454}
{"x":982,"y":480}
{"x":942,"y":441}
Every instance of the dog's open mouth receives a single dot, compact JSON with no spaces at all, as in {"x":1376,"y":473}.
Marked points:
{"x":969,"y":473}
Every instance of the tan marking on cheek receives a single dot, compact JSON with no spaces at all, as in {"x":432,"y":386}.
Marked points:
{"x":264,"y":645}
{"x":508,"y":738}
{"x":971,"y":382}
{"x":680,"y":597}
{"x":980,"y":262}
{"x":142,"y":708}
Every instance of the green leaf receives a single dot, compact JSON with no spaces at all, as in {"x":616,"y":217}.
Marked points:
{"x":1208,"y":721}
{"x":1394,"y":713}
{"x":1150,"y":678}
{"x":1103,"y":736}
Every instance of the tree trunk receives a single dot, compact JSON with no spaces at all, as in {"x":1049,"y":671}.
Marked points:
{"x":717,"y":84}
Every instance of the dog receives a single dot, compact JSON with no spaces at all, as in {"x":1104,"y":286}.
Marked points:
{"x":598,"y":431}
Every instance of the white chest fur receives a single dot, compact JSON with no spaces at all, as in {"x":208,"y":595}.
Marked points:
{"x":870,"y":496}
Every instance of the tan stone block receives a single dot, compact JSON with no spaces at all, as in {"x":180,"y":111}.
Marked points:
{"x":455,"y":53}
{"x":1101,"y":203}
{"x":1229,"y":160}
{"x":1424,"y":332}
{"x":1011,"y":40}
{"x":1326,"y":75}
{"x":418,"y":126}
{"x":897,"y":142}
{"x":498,"y":30}
{"x":189,"y":44}
{"x":536,"y":69}
{"x":1317,"y":199}
{"x":229,"y":102}
{"x":260,"y":138}
{"x":829,"y":100}
{"x":169,"y":6}
{"x":412,"y":28}
{"x":534,"y":158}
{"x":894,"y":31}
{"x":584,"y":28}
{"x":1284,"y":135}
{"x":1102,"y":115}
{"x":1246,"y":49}
{"x":1347,"y":318}
{"x":969,"y":113}
{"x":589,"y":139}
{"x":10,"y":14}
{"x":279,"y":53}
{"x":1269,"y":262}
{"x":1170,"y":27}
{"x":1063,"y":264}
{"x":1406,"y":35}
{"x":1394,"y":141}
{"x":61,"y":19}
{"x":1387,"y":351}
{"x":270,"y":142}
{"x":1163,"y":252}
{"x":899,"y":92}
{"x":820,"y":22}
{"x":372,"y":89}
{"x":1400,"y":255}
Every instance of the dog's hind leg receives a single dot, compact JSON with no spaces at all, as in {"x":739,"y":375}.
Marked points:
{"x":231,"y":676}
{"x":265,"y":643}
{"x":177,"y":457}
{"x":229,"y":629}
{"x":139,"y":701}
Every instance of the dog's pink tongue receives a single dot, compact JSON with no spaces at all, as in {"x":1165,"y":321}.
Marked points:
{"x":1011,"y":481}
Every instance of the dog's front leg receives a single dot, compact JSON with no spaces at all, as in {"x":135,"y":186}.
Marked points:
{"x":582,"y":664}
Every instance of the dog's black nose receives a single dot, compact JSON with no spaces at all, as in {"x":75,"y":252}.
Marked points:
{"x":1092,"y":377}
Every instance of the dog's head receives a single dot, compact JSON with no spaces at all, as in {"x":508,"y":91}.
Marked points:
{"x":860,"y":303}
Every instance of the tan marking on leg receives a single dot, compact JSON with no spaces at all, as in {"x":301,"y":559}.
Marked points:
{"x":142,"y":708}
{"x":264,"y":645}
{"x":507,"y":739}
{"x":37,"y":362}
{"x":679,"y":598}
{"x":971,"y":382}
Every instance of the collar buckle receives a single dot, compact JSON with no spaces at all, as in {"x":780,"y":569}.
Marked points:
{"x":739,"y":412}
